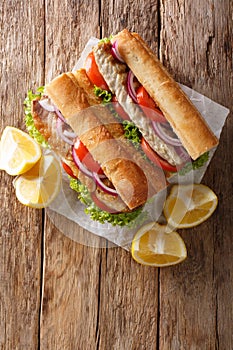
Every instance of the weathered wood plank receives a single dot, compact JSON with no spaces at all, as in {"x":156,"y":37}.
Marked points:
{"x":129,"y":299}
{"x":70,"y":293}
{"x":22,"y":60}
{"x":69,"y":25}
{"x":71,"y":270}
{"x":194,"y":295}
{"x":129,"y":292}
{"x":100,"y":298}
{"x":139,"y":16}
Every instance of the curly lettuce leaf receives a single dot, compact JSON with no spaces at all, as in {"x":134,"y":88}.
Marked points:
{"x":33,"y":132}
{"x":131,"y":219}
{"x":106,"y":40}
{"x":105,"y":95}
{"x":132,"y":133}
{"x":196,"y":164}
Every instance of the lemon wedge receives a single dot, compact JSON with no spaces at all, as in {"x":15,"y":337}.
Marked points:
{"x":18,"y":151}
{"x":152,"y":245}
{"x":39,"y":186}
{"x":189,"y":205}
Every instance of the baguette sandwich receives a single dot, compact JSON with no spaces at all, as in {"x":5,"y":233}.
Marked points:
{"x":93,"y":138}
{"x":170,"y":124}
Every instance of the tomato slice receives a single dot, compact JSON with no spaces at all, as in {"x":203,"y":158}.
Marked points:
{"x":93,"y":72}
{"x":68,"y":170}
{"x":155,"y":158}
{"x":120,"y":110}
{"x":149,"y":106}
{"x":86,"y":157}
{"x":102,"y":205}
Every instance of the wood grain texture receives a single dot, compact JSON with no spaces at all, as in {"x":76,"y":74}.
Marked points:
{"x":129,"y":292}
{"x":70,"y":293}
{"x":22,"y":61}
{"x":139,"y":16}
{"x":128,"y":303}
{"x":71,"y":270}
{"x":99,"y":298}
{"x":69,"y":25}
{"x":193,"y":313}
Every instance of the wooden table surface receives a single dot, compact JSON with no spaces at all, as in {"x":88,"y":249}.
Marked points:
{"x":59,"y":294}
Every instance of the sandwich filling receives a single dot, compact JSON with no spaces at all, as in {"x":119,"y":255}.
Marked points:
{"x":80,"y":117}
{"x":115,"y":74}
{"x":48,"y":124}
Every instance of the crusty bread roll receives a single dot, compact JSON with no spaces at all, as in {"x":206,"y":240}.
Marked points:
{"x":127,"y":177}
{"x":84,"y":82}
{"x":184,"y":118}
{"x":66,"y":95}
{"x":155,"y":176}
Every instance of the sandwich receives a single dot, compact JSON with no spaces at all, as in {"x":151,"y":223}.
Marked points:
{"x":121,"y":126}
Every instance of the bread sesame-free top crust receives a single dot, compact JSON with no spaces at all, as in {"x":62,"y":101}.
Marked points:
{"x":127,"y":177}
{"x":182,"y":115}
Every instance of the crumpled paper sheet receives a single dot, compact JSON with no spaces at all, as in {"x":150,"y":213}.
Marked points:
{"x":66,"y":203}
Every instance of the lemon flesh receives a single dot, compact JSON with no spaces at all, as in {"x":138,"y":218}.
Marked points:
{"x":18,"y":151}
{"x":38,"y":187}
{"x":189,"y":205}
{"x":153,"y":246}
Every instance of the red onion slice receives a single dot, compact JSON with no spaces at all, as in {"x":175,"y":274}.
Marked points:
{"x":183,"y":154}
{"x":80,"y":165}
{"x":164,"y":136}
{"x":130,"y":86}
{"x":59,"y":114}
{"x":115,"y":52}
{"x":70,"y":134}
{"x":60,"y":126}
{"x":47,"y":105}
{"x":102,"y":186}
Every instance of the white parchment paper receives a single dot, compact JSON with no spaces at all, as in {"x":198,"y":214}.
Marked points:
{"x":67,"y":205}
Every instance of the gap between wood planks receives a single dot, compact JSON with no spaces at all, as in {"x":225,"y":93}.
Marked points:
{"x":43,"y":218}
{"x":41,"y":274}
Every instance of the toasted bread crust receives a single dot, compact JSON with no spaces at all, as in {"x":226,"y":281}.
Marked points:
{"x":84,"y":82}
{"x":67,"y":95}
{"x":184,"y":118}
{"x":126,"y":176}
{"x":155,"y":176}
{"x":113,"y":158}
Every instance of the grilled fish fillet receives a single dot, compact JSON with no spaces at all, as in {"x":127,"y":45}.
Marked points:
{"x":115,"y":75}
